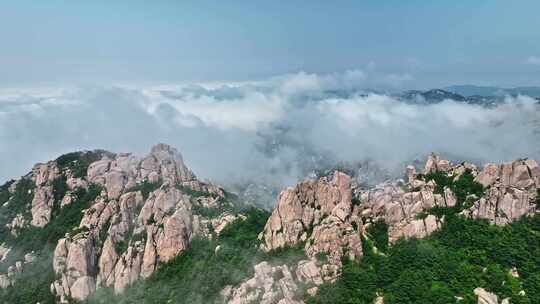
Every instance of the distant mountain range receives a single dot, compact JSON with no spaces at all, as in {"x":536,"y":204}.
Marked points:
{"x":472,"y":90}
{"x":480,"y":95}
{"x":487,"y":96}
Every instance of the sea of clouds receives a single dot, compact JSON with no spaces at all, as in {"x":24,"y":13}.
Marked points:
{"x":274,"y":131}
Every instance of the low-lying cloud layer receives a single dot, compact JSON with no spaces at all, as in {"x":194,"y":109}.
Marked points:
{"x":273,"y":131}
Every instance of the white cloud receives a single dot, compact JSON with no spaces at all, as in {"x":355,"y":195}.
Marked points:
{"x":270,"y":130}
{"x":300,"y":83}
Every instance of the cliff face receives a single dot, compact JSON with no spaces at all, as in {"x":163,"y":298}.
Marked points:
{"x":145,"y":212}
{"x":319,"y":213}
{"x":129,"y":230}
{"x":314,"y":211}
{"x":510,"y":191}
{"x":124,"y":215}
{"x":330,"y":215}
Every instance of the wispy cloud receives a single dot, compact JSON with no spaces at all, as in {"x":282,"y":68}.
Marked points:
{"x":533,"y":60}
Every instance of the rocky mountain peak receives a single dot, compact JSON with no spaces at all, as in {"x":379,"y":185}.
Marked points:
{"x":332,"y":215}
{"x":109,"y":220}
{"x":134,"y":213}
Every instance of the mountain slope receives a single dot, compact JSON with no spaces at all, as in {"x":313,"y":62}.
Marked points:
{"x":100,"y":227}
{"x":100,"y":219}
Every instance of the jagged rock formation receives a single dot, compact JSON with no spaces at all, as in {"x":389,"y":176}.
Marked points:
{"x":331,"y":214}
{"x":146,"y":210}
{"x":42,"y":204}
{"x":510,"y":189}
{"x":297,"y":216}
{"x":125,"y":235}
{"x":268,"y":285}
{"x":282,"y":284}
{"x":485,"y":297}
{"x":318,"y":212}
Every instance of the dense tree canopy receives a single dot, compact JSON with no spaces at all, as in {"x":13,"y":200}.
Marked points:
{"x":452,"y":262}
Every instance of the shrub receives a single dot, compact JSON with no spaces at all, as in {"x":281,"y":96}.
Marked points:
{"x":19,"y":203}
{"x":34,"y":284}
{"x":464,"y":188}
{"x":4,"y":192}
{"x":59,"y":187}
{"x":78,"y":162}
{"x":198,"y":274}
{"x":463,"y":255}
{"x":378,"y":232}
{"x":146,"y":188}
{"x":355,"y":201}
{"x":194,"y":193}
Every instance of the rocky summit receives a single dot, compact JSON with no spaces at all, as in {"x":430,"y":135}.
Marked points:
{"x":102,"y":227}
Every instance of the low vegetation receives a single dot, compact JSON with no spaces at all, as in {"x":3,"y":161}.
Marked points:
{"x":201,"y":272}
{"x":146,"y":188}
{"x":4,"y":192}
{"x":450,"y":263}
{"x":78,"y":162}
{"x":194,"y":193}
{"x":19,"y":203}
{"x":463,"y":255}
{"x":465,"y":189}
{"x":378,"y":234}
{"x":33,"y":285}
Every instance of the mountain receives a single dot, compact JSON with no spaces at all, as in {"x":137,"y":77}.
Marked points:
{"x":438,"y":95}
{"x":471,"y":90}
{"x":431,"y":96}
{"x":102,"y":227}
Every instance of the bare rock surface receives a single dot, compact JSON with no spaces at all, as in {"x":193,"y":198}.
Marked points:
{"x":275,"y":284}
{"x":486,"y":297}
{"x":126,"y":233}
{"x":319,"y":213}
{"x":149,"y":210}
{"x":328,"y":215}
{"x":43,"y":176}
{"x":511,"y":188}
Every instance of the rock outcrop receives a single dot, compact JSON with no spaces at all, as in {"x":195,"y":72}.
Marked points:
{"x":163,"y":164}
{"x":148,"y":209}
{"x":510,"y":189}
{"x":324,"y":214}
{"x":486,"y":297}
{"x":319,"y":213}
{"x":402,"y":210}
{"x":331,"y":214}
{"x":143,"y":216}
{"x":276,"y":284}
{"x":269,"y":284}
{"x":43,"y":176}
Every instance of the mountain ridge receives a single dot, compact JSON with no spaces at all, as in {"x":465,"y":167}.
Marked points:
{"x":97,"y":221}
{"x":471,"y":90}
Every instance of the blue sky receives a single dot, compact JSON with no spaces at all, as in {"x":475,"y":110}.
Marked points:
{"x":436,"y":43}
